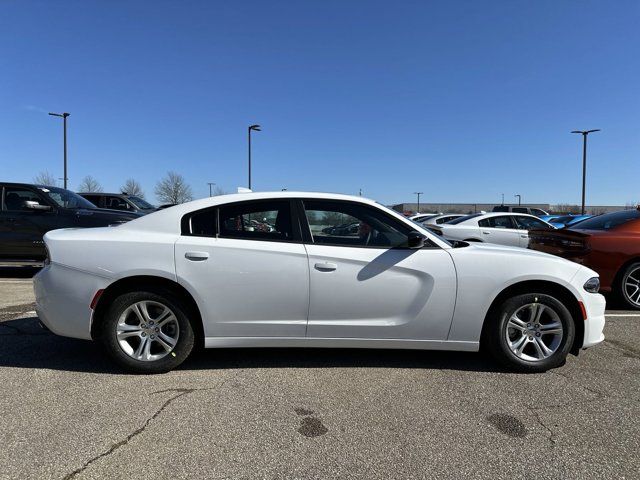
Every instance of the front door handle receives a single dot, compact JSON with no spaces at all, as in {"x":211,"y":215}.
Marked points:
{"x":524,"y":236}
{"x":486,"y":233}
{"x":196,"y":256}
{"x":325,"y":266}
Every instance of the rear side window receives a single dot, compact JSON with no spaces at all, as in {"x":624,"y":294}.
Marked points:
{"x":256,"y":221}
{"x":497,"y":222}
{"x":529,"y":223}
{"x":95,"y":199}
{"x":458,"y":220}
{"x":268,"y":220}
{"x":520,"y":210}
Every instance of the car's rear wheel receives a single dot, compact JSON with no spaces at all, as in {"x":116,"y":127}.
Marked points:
{"x":530,"y":332}
{"x":629,"y":287}
{"x":147,"y":332}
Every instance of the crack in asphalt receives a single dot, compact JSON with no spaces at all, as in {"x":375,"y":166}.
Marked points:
{"x":180,"y":393}
{"x":552,"y":435}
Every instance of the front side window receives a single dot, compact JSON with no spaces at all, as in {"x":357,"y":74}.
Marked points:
{"x":140,"y":202}
{"x":15,"y":198}
{"x":353,"y":224}
{"x":256,"y":221}
{"x":529,"y":223}
{"x":519,"y":210}
{"x":496,"y":222}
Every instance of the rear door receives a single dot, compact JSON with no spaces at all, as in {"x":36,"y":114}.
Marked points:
{"x":247,"y":267}
{"x":366,"y":283}
{"x":500,"y":229}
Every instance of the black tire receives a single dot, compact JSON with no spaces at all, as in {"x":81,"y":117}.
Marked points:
{"x":621,"y":290}
{"x":171,"y":359}
{"x":495,"y":335}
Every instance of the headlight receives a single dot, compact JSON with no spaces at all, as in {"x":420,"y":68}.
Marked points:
{"x":592,"y":285}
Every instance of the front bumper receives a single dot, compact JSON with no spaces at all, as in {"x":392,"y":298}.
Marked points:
{"x":595,"y":306}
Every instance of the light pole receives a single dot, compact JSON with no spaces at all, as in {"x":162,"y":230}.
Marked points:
{"x":502,"y":199}
{"x":360,"y":193}
{"x":519,"y":198}
{"x":64,"y":120}
{"x":257,"y":129}
{"x":584,"y":159}
{"x":211,"y":184}
{"x":418,"y":194}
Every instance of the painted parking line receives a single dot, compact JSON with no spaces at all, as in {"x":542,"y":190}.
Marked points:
{"x":622,"y":315}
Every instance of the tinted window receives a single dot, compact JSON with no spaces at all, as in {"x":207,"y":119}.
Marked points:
{"x":353,"y":224}
{"x":14,"y":198}
{"x":203,"y":223}
{"x":520,"y":210}
{"x":117,"y":203}
{"x":257,"y":221}
{"x":496,"y":222}
{"x":95,"y":199}
{"x":501,"y":208}
{"x":446,"y":219}
{"x":608,"y":220}
{"x":537,"y":211}
{"x":529,"y":223}
{"x":458,"y":220}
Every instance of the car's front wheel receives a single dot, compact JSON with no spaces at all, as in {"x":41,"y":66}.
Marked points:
{"x":147,"y":332}
{"x":530,"y":332}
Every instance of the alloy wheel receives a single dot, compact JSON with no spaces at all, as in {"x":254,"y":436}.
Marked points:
{"x":534,"y":332}
{"x":147,"y":330}
{"x":632,"y":286}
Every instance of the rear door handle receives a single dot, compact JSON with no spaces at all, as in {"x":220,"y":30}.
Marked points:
{"x":196,"y":256}
{"x":486,"y":233}
{"x":325,"y":266}
{"x":524,"y":236}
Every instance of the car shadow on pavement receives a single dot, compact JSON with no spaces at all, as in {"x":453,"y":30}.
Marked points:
{"x":24,"y":344}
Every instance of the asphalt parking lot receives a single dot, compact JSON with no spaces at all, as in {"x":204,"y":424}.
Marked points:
{"x":66,"y":412}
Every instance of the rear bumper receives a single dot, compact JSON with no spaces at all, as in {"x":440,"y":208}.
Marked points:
{"x":63,"y":296}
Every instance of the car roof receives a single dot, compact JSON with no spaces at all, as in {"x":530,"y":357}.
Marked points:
{"x":105,"y":193}
{"x":17,"y":184}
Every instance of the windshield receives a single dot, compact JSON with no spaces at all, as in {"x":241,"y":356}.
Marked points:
{"x":458,"y":220}
{"x":66,"y":199}
{"x":139,"y":202}
{"x":607,"y":221}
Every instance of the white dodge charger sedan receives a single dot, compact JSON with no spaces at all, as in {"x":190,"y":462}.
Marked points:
{"x":281,"y":270}
{"x":502,"y":228}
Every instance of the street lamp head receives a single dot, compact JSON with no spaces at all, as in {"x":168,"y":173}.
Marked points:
{"x":585,"y":132}
{"x":255,"y":127}
{"x":63,"y":115}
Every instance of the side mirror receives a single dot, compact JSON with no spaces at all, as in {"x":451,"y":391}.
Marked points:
{"x":30,"y":204}
{"x":415,"y":240}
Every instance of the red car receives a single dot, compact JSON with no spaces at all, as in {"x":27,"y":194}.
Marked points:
{"x":608,"y":244}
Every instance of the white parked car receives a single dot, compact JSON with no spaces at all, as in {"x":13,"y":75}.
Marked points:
{"x":441,"y":218}
{"x":502,"y":228}
{"x":198,"y":273}
{"x":421,"y":217}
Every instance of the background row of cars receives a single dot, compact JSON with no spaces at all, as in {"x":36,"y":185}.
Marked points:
{"x":607,"y":243}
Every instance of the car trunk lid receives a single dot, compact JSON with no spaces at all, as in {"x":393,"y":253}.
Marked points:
{"x":564,"y":243}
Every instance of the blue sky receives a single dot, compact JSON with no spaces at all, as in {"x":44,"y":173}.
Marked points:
{"x":462,"y":100}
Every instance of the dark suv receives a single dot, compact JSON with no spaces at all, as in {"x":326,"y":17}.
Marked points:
{"x":27,"y":212}
{"x":119,"y":201}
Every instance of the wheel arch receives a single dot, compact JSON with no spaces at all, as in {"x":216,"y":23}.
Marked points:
{"x":150,"y":282}
{"x":618,"y":276}
{"x":540,"y":286}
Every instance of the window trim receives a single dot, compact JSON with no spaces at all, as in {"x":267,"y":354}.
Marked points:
{"x":429,"y":244}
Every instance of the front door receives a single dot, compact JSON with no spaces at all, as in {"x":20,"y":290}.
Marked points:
{"x":247,"y":268}
{"x":365,"y":282}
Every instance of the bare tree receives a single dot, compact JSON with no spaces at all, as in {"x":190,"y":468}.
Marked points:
{"x":132,"y":187}
{"x":219,"y":191}
{"x":89,"y":184}
{"x":45,"y":178}
{"x":173,"y":189}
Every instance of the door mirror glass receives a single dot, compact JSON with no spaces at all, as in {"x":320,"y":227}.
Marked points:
{"x":32,"y":205}
{"x":415,"y":240}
